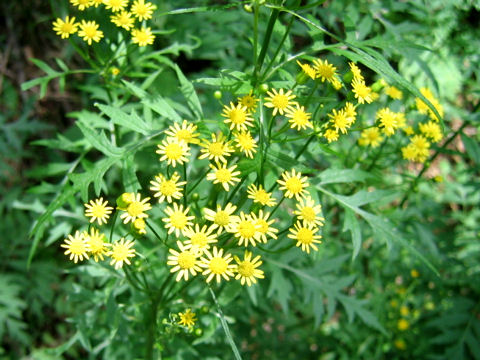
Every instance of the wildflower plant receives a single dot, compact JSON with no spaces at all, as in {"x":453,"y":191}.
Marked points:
{"x":195,"y":198}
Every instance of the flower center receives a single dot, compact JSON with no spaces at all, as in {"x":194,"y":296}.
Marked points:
{"x":98,"y":211}
{"x":245,"y":141}
{"x":223,"y":175}
{"x":168,"y":188}
{"x":262,"y":196}
{"x":237,"y":116}
{"x":280,"y":101}
{"x":300,"y":118}
{"x":294,"y":185}
{"x":178,"y":220}
{"x":96,"y":244}
{"x":305,"y":236}
{"x":77,"y":247}
{"x":216,"y":149}
{"x":246,"y":268}
{"x":186,"y":260}
{"x":218,"y":265}
{"x":67,"y":27}
{"x":120,"y":253}
{"x":222,"y":218}
{"x":184,"y":135}
{"x":262,"y":226}
{"x":246,"y":229}
{"x":199,"y":239}
{"x":308,"y":214}
{"x":135,"y":208}
{"x":173,"y":151}
{"x":90,"y":31}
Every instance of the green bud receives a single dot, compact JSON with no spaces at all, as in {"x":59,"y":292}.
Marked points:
{"x":125,"y":199}
{"x":195,"y":197}
{"x":377,"y":86}
{"x":348,"y":77}
{"x":217,"y":94}
{"x":198,"y":332}
{"x":247,"y":8}
{"x":264,"y":88}
{"x":302,"y":78}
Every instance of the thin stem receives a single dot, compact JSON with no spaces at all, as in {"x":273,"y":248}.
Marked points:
{"x":266,"y":41}
{"x":154,"y":232}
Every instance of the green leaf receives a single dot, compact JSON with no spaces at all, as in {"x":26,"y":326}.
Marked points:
{"x":472,"y":147}
{"x":119,"y":117}
{"x":162,"y":107}
{"x":334,"y":176}
{"x":351,"y":224}
{"x":357,"y":307}
{"x":99,"y":140}
{"x":189,"y":93}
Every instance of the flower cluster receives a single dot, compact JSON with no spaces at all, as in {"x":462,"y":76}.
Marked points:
{"x":121,"y":15}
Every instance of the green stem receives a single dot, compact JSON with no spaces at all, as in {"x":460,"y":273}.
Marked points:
{"x":266,"y":41}
{"x":154,"y":232}
{"x":152,"y":329}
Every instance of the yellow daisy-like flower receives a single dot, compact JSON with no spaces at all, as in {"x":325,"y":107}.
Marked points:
{"x":167,"y":189}
{"x":246,"y":143}
{"x":97,"y":244}
{"x":370,"y":137}
{"x":199,"y":239}
{"x":98,"y":210}
{"x":81,"y":4}
{"x":340,"y":120}
{"x":331,"y":135}
{"x":89,"y":32}
{"x":350,"y":112}
{"x":246,"y":269}
{"x":417,"y":150}
{"x":362,"y":92}
{"x":393,"y":92}
{"x":388,"y":120}
{"x":263,"y":226}
{"x":184,"y":262}
{"x":174,"y":151}
{"x":221,"y":218}
{"x":246,"y":230}
{"x":143,"y":36}
{"x":223,"y":175}
{"x":123,"y":19}
{"x":304,"y":234}
{"x":77,"y":247}
{"x":124,"y":200}
{"x":237,"y":116}
{"x":97,"y":3}
{"x":139,"y":225}
{"x":115,"y":5}
{"x":121,"y":252}
{"x":178,"y":219}
{"x":260,"y":195}
{"x":217,"y":149}
{"x":298,"y":117}
{"x":187,"y":318}
{"x":279,"y":101}
{"x":324,"y":70}
{"x":403,"y":324}
{"x":401,"y":120}
{"x":308,"y":70}
{"x":309,"y":212}
{"x":293,"y":184}
{"x":357,"y":73}
{"x":135,"y":209}
{"x":66,"y":27}
{"x":217,"y":265}
{"x":249,"y":101}
{"x":337,"y":84}
{"x":432,"y":131}
{"x":423,"y":108}
{"x":186,"y":132}
{"x":142,"y":10}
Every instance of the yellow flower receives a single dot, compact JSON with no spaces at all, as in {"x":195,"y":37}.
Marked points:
{"x":65,"y":28}
{"x":185,"y":262}
{"x":136,"y":209}
{"x":178,"y":219}
{"x":388,"y":120}
{"x":279,"y":101}
{"x":77,"y":247}
{"x":223,"y":175}
{"x":143,"y":10}
{"x":143,"y":36}
{"x":263,"y":226}
{"x":330,"y":135}
{"x":403,"y":324}
{"x":350,"y":112}
{"x":221,"y":218}
{"x":139,"y":226}
{"x":115,"y":71}
{"x":89,"y":32}
{"x":432,"y":131}
{"x":217,"y":149}
{"x":123,"y":19}
{"x":304,"y":234}
{"x":246,"y":269}
{"x":340,"y":120}
{"x":174,"y":151}
{"x":96,"y":242}
{"x":417,"y":150}
{"x":414,"y":273}
{"x":249,"y":101}
{"x":400,"y":344}
{"x":293,"y":184}
{"x":96,"y":3}
{"x":370,"y":137}
{"x":237,"y":116}
{"x":115,"y":5}
{"x":404,"y":310}
{"x":121,"y":252}
{"x":309,"y":212}
{"x":246,"y":230}
{"x":81,"y":4}
{"x":246,"y":143}
{"x":259,"y":195}
{"x":98,"y":210}
{"x":167,"y":189}
{"x":324,"y":70}
{"x":199,"y":240}
{"x":393,"y":92}
{"x":187,"y":318}
{"x":357,"y":74}
{"x":423,"y":108}
{"x":363,"y":93}
{"x":185,"y":132}
{"x":217,"y":265}
{"x":308,"y":70}
{"x":298,"y":118}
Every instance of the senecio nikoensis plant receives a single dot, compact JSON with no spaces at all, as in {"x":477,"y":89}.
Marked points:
{"x":230,"y":189}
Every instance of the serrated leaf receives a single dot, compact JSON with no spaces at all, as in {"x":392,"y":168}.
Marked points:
{"x":351,"y":224}
{"x":162,"y":107}
{"x":189,"y":93}
{"x":355,"y":307}
{"x":99,"y":140}
{"x":119,"y":117}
